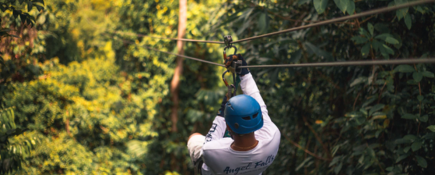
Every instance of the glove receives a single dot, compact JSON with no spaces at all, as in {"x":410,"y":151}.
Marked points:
{"x":222,"y":109}
{"x":230,"y":59}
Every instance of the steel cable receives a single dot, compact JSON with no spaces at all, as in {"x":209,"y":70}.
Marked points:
{"x":183,"y":56}
{"x":322,"y":64}
{"x":188,"y":57}
{"x":320,"y":23}
{"x":348,"y":63}
{"x":371,"y":12}
{"x":176,"y":39}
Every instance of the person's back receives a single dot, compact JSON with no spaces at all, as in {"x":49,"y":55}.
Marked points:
{"x":225,"y":155}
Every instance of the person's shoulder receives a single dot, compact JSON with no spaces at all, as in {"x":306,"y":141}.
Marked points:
{"x":217,"y":144}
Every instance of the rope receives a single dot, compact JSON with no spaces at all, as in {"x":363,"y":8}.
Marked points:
{"x":371,"y":12}
{"x":348,"y":63}
{"x":367,"y":13}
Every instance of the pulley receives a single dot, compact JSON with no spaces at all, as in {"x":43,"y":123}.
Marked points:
{"x":231,"y":63}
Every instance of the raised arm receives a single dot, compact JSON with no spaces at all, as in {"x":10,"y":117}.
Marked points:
{"x":249,"y":87}
{"x":218,"y":128}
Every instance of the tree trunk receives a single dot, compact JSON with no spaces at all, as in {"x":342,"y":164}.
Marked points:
{"x":179,"y":69}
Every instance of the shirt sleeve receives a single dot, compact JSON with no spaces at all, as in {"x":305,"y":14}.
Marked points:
{"x":249,"y":87}
{"x":217,"y":130}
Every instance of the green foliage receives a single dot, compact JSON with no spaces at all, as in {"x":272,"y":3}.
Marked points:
{"x":95,"y":103}
{"x":15,"y":145}
{"x":357,"y":120}
{"x":83,"y":96}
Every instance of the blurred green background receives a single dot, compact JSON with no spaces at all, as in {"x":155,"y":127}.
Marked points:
{"x":81,"y":95}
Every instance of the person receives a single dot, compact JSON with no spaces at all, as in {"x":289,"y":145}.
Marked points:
{"x":254,"y":141}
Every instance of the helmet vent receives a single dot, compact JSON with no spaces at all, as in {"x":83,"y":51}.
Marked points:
{"x":236,"y":125}
{"x":229,"y":104}
{"x":255,"y":115}
{"x":246,"y":118}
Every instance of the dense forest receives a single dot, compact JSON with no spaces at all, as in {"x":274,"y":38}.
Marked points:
{"x":81,"y":93}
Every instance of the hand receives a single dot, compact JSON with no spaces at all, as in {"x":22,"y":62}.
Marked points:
{"x":222,"y":109}
{"x":244,"y":63}
{"x":230,"y":58}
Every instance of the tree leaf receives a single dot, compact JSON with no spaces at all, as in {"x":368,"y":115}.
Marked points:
{"x":417,"y":76}
{"x":404,"y":68}
{"x":359,"y":39}
{"x":262,"y":23}
{"x":371,"y":28}
{"x":342,"y":5}
{"x":41,"y":1}
{"x":431,"y":127}
{"x":296,"y":56}
{"x":41,"y":19}
{"x":39,"y":8}
{"x":384,"y":36}
{"x":350,"y":7}
{"x":320,"y":5}
{"x":358,"y":81}
{"x":376,"y":108}
{"x":400,"y":158}
{"x":303,"y":163}
{"x":411,"y":137}
{"x":428,"y":74}
{"x":388,"y":49}
{"x":409,"y":116}
{"x":408,"y":21}
{"x":421,"y":161}
{"x":420,"y":98}
{"x":403,"y":11}
{"x":391,"y":40}
{"x":376,"y":44}
{"x":416,"y":146}
{"x":424,"y":118}
{"x":29,"y":6}
{"x":338,"y":168}
{"x":365,"y":50}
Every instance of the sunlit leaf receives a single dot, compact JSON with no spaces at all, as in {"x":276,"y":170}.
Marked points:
{"x":320,"y":5}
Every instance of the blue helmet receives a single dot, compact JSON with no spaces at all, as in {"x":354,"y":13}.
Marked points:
{"x":243,"y":114}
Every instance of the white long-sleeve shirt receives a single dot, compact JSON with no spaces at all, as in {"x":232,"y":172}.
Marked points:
{"x":220,"y":158}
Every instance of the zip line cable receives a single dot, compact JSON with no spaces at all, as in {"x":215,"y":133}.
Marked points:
{"x":371,"y":12}
{"x":315,"y":24}
{"x":340,"y":63}
{"x":324,"y":64}
{"x":176,"y":39}
{"x":348,"y":63}
{"x":183,"y":56}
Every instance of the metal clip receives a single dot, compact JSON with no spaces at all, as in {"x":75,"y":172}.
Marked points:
{"x":231,"y":66}
{"x":231,"y":88}
{"x":228,"y":40}
{"x":228,"y":44}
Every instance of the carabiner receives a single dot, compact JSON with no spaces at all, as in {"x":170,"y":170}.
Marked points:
{"x":231,"y":66}
{"x":228,"y":44}
{"x":223,"y":78}
{"x":228,"y":47}
{"x":232,"y":89}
